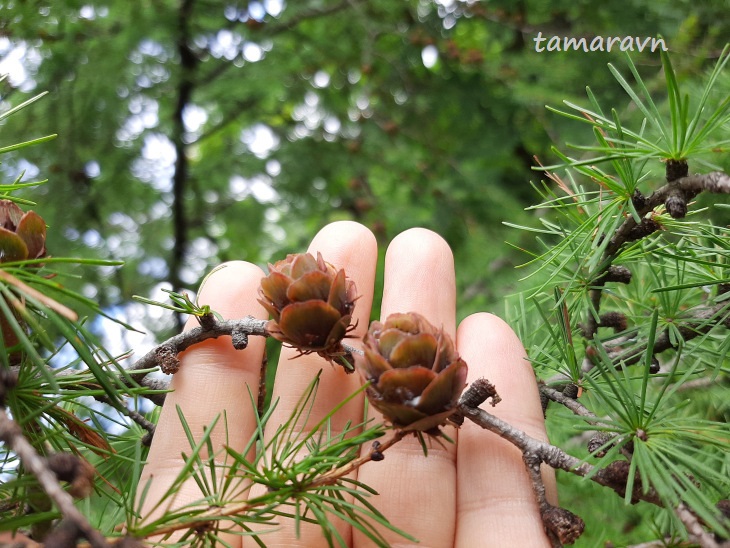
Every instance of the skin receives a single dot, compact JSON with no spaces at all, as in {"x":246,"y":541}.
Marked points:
{"x":473,"y":493}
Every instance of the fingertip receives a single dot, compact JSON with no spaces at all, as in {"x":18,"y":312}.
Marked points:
{"x":493,"y":327}
{"x":492,"y":350}
{"x":423,"y":245}
{"x":214,"y":379}
{"x":350,"y":246}
{"x":487,"y":330}
{"x":419,"y":277}
{"x":346,"y":242}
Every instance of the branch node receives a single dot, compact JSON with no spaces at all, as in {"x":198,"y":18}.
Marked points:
{"x":616,"y":273}
{"x":676,"y":169}
{"x":676,"y":203}
{"x":239,"y":338}
{"x":478,"y":392}
{"x":616,"y":475}
{"x":638,"y":199}
{"x":8,"y":381}
{"x":375,"y":454}
{"x":647,"y":226}
{"x":599,"y":440}
{"x":207,"y":321}
{"x":615,"y":320}
{"x":167,"y":358}
{"x":74,"y":470}
{"x":563,"y":524}
{"x":571,"y":391}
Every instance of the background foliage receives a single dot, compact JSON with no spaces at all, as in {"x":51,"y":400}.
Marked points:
{"x":236,"y":130}
{"x":194,"y":132}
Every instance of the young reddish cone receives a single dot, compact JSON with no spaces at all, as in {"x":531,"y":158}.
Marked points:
{"x":311,"y":303}
{"x":22,"y":236}
{"x":415,"y":374}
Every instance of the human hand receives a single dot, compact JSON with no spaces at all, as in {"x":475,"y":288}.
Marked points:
{"x":475,"y":492}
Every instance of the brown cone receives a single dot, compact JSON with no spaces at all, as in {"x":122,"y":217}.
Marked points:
{"x":311,"y":303}
{"x":415,"y":373}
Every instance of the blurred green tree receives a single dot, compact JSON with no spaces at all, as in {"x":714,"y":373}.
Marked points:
{"x":195,"y":132}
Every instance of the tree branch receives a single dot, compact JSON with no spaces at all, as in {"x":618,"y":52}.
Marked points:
{"x":165,"y":355}
{"x":330,"y":478}
{"x":571,"y":403}
{"x":561,"y":525}
{"x":551,"y":455}
{"x":694,"y":528}
{"x":686,"y":187}
{"x":675,"y":195}
{"x":185,"y":87}
{"x":375,"y":454}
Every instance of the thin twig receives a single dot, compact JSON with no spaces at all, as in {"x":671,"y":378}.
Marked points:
{"x":694,"y":528}
{"x":571,"y":403}
{"x":12,"y":435}
{"x":375,"y":454}
{"x":156,"y":384}
{"x":532,"y":463}
{"x":178,"y":343}
{"x":165,"y":354}
{"x":690,"y":186}
{"x":551,"y":455}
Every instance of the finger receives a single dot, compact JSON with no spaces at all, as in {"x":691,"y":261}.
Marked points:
{"x":213,"y":378}
{"x":352,"y":247}
{"x":417,"y":492}
{"x":496,"y":505}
